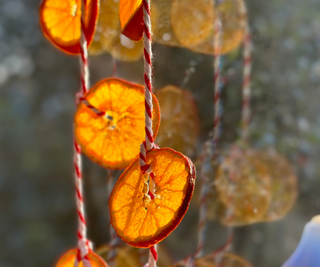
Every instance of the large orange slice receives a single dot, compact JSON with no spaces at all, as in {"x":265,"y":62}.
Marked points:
{"x":243,"y":185}
{"x":131,"y":18}
{"x":179,"y":120}
{"x":68,"y":259}
{"x":61,"y":22}
{"x":113,"y":140}
{"x":192,"y":21}
{"x":141,"y":221}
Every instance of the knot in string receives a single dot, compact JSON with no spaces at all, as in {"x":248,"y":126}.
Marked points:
{"x":84,"y":247}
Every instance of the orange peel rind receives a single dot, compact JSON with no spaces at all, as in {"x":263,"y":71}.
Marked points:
{"x":141,"y":221}
{"x":113,"y":140}
{"x":68,"y":259}
{"x":61,"y":23}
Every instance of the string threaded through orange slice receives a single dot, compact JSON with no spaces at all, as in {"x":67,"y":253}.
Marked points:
{"x":61,"y":23}
{"x":68,"y":259}
{"x":179,"y":120}
{"x":113,"y":140}
{"x":141,"y":221}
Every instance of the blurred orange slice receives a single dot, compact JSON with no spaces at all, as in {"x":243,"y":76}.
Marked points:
{"x":61,"y":22}
{"x":131,"y":18}
{"x":192,"y":21}
{"x":179,"y":120}
{"x":68,"y":259}
{"x":113,"y":140}
{"x":141,"y":221}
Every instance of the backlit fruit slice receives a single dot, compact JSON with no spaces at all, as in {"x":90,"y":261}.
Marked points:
{"x":108,"y":27}
{"x":233,"y":25}
{"x":243,"y":185}
{"x":141,"y":221}
{"x":131,"y":18}
{"x":192,"y":21}
{"x":68,"y":259}
{"x":125,"y":49}
{"x":61,"y":23}
{"x":179,"y":120}
{"x":113,"y":140}
{"x":284,"y":185}
{"x":161,"y":23}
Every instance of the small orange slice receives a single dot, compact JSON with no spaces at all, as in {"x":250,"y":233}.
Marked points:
{"x":113,"y":140}
{"x":243,"y":185}
{"x":192,"y":21}
{"x":179,"y":120}
{"x":68,"y":259}
{"x":131,"y":18}
{"x":61,"y":23}
{"x":141,"y":221}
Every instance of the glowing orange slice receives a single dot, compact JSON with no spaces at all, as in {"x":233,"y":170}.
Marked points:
{"x":61,"y":22}
{"x":131,"y":18}
{"x":233,"y":25}
{"x":243,"y":185}
{"x":125,"y":49}
{"x":113,"y":140}
{"x":68,"y":259}
{"x":192,"y":21}
{"x":141,"y":221}
{"x":179,"y":120}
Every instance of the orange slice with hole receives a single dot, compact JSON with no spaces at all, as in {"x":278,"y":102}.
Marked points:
{"x":61,"y":23}
{"x":243,"y":185}
{"x":68,"y":259}
{"x":131,"y":18}
{"x":179,"y":120}
{"x":192,"y":21}
{"x":233,"y":21}
{"x":113,"y":140}
{"x":142,"y":221}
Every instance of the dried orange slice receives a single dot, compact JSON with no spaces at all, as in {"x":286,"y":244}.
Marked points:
{"x":233,"y":25}
{"x":68,"y":259}
{"x":131,"y":18}
{"x":179,"y":120}
{"x":192,"y":21}
{"x":61,"y":22}
{"x":243,"y":185}
{"x":284,"y":185}
{"x":113,"y":140}
{"x":125,"y":49}
{"x":141,"y":221}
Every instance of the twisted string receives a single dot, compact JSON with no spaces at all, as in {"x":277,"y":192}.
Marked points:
{"x":84,"y":245}
{"x":148,"y":144}
{"x":246,"y":86}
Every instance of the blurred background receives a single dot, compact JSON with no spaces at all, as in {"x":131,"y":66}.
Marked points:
{"x":37,"y":87}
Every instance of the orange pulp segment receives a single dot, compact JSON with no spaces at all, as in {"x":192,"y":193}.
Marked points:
{"x":140,"y":220}
{"x":68,"y":259}
{"x":192,"y":21}
{"x":113,"y":140}
{"x":61,"y":23}
{"x":179,"y":120}
{"x":131,"y":18}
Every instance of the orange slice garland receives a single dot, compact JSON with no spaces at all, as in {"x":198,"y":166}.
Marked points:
{"x":192,"y":21}
{"x":141,"y":221}
{"x":179,"y":120}
{"x":68,"y":259}
{"x":113,"y":140}
{"x":131,"y":18}
{"x":61,"y":23}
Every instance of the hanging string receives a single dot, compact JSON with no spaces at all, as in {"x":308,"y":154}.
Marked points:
{"x":84,"y":245}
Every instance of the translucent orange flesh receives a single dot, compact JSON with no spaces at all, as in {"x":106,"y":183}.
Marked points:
{"x":68,"y":259}
{"x":243,"y":186}
{"x":127,"y":10}
{"x":179,"y":120}
{"x":192,"y":21}
{"x":141,"y":221}
{"x":113,"y":140}
{"x":61,"y":19}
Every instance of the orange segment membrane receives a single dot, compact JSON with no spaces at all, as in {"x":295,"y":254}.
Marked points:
{"x":140,"y":220}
